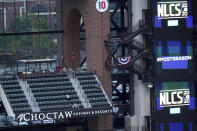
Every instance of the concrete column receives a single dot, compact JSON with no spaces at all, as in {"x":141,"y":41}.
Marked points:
{"x":142,"y":93}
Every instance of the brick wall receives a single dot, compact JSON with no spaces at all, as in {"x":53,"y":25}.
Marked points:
{"x":97,"y":27}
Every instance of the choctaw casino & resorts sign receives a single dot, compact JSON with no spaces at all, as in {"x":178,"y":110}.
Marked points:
{"x":172,"y":9}
{"x":40,"y":116}
{"x":173,"y":98}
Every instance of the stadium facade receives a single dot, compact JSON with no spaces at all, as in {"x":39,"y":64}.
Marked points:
{"x":70,"y":66}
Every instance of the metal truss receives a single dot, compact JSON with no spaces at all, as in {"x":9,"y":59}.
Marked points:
{"x":126,"y":40}
{"x":121,"y":43}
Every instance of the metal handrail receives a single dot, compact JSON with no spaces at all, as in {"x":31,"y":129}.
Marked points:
{"x":137,"y":26}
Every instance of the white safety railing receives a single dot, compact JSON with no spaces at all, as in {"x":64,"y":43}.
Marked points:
{"x":29,"y":95}
{"x":79,"y":90}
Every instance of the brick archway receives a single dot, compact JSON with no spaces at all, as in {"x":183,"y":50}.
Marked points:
{"x":72,"y":39}
{"x":97,"y":30}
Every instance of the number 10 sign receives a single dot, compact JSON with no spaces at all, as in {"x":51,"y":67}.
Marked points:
{"x":102,"y":5}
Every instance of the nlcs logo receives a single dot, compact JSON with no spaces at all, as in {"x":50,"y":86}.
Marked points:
{"x":178,"y":97}
{"x":176,"y":9}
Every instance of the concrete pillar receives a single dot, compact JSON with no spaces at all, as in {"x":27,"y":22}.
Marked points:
{"x":142,"y":93}
{"x":97,"y":26}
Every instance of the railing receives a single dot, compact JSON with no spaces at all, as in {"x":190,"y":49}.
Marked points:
{"x":73,"y":75}
{"x":6,"y":101}
{"x":86,"y":101}
{"x":30,"y":96}
{"x":40,"y":74}
{"x":137,"y":26}
{"x":127,"y":37}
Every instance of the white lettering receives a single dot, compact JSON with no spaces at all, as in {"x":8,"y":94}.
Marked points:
{"x":61,"y":115}
{"x":170,"y":9}
{"x":26,"y":115}
{"x":34,"y":117}
{"x":20,"y":117}
{"x":41,"y":116}
{"x":174,"y":58}
{"x":178,"y":10}
{"x":180,"y":98}
{"x":172,"y":97}
{"x":162,"y":99}
{"x":55,"y":115}
{"x":165,"y":11}
{"x":68,"y":114}
{"x":167,"y":99}
{"x":48,"y":117}
{"x":160,"y":10}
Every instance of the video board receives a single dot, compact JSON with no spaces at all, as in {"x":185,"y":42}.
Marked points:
{"x":174,"y":94}
{"x":173,"y":60}
{"x":174,"y":101}
{"x":169,"y":14}
{"x":173,"y":40}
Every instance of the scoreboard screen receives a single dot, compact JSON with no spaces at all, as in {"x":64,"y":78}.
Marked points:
{"x":173,"y":45}
{"x":174,"y":99}
{"x":173,"y":60}
{"x":174,"y":106}
{"x":176,"y":13}
{"x":174,"y":94}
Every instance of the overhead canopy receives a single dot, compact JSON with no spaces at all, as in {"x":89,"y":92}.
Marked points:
{"x":34,"y":61}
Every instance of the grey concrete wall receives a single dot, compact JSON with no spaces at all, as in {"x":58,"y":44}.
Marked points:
{"x":142,"y":92}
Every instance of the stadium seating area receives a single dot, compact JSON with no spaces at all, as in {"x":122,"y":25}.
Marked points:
{"x":50,"y":91}
{"x":92,"y":89}
{"x":14,"y":94}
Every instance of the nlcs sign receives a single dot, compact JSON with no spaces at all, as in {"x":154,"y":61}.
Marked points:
{"x":178,"y":97}
{"x":169,"y":10}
